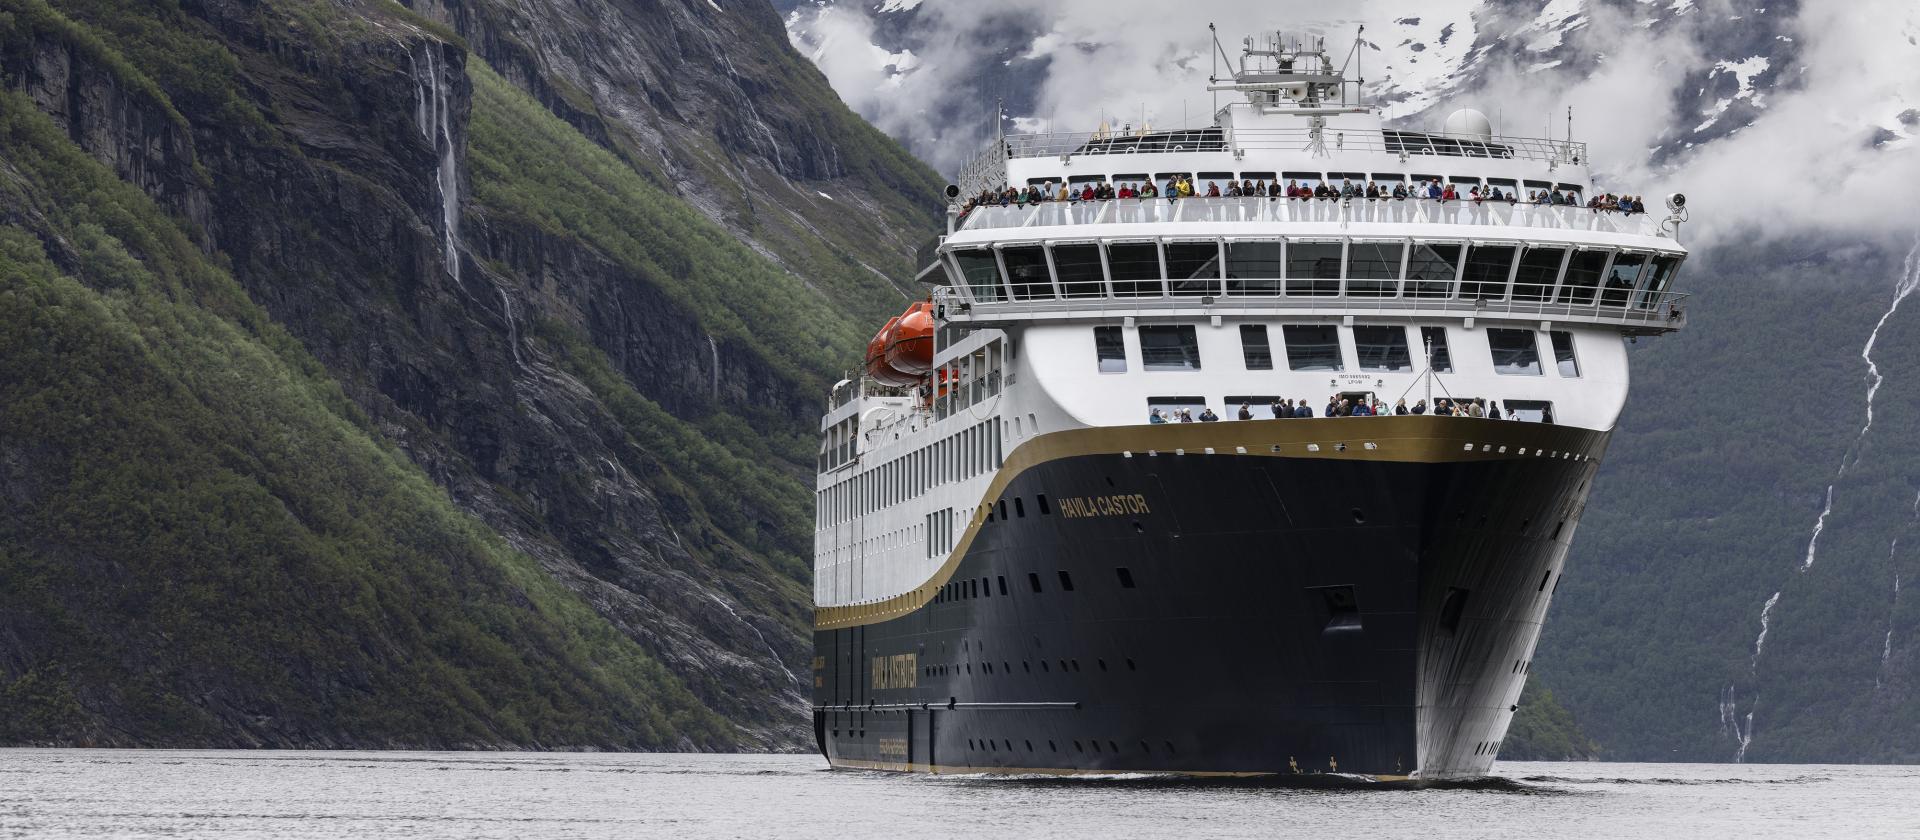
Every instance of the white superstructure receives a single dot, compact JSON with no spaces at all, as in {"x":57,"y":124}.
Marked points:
{"x":1075,"y":314}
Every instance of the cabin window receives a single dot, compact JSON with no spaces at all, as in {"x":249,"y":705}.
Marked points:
{"x":1165,"y":347}
{"x":982,"y":273}
{"x":1027,"y":277}
{"x":1622,"y":277}
{"x":1312,"y":347}
{"x":1135,"y":267}
{"x":1382,"y":348}
{"x":1389,"y":180}
{"x":1313,"y":268}
{"x":1170,"y":407}
{"x":1431,"y":269}
{"x":1373,"y":268}
{"x":1563,"y":354}
{"x":1254,"y":347}
{"x":1193,"y":268}
{"x":1253,"y":268}
{"x":1532,"y":411}
{"x":1110,"y":347}
{"x":1515,"y":352}
{"x":1539,"y":269}
{"x":1486,"y":273}
{"x":1434,"y":343}
{"x":1078,"y":267}
{"x":1583,"y":277}
{"x":1659,"y":278}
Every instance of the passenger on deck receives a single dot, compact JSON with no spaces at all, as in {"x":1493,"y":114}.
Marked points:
{"x":1449,"y":194}
{"x":1186,"y":416}
{"x":1323,"y":191}
{"x":1493,"y":409}
{"x":1173,"y":190}
{"x":1156,"y":417}
{"x":1213,"y":189}
{"x":1280,"y":409}
{"x":1420,"y":407}
{"x":1361,"y":409}
{"x":1148,"y":190}
{"x":1246,"y":411}
{"x":1348,"y":190}
{"x":1301,"y":409}
{"x":1477,"y":409}
{"x":1207,"y":416}
{"x":1400,"y":192}
{"x":1433,"y":190}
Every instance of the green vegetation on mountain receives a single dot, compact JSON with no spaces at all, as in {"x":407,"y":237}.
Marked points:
{"x":198,"y":519}
{"x":1543,"y":730}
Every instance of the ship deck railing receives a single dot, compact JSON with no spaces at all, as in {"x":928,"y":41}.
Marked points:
{"x":1218,"y":139}
{"x":1640,"y":312}
{"x":1342,"y":212}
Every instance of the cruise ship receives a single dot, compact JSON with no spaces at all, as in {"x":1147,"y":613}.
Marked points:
{"x":1027,"y":562}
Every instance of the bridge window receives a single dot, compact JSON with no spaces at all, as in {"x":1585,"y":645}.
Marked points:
{"x":1111,"y":349}
{"x":1622,"y":278}
{"x":1539,"y":269}
{"x":1078,"y":267}
{"x":1027,"y":277}
{"x":1389,"y":180}
{"x":1515,"y":352}
{"x":1488,"y":267}
{"x":1433,"y":341}
{"x":1313,"y":268}
{"x":1253,"y":345}
{"x":1194,"y":267}
{"x":982,"y":273}
{"x":1583,"y":277}
{"x":1373,"y":268}
{"x":1382,"y":348}
{"x":1135,"y":267}
{"x":1253,"y":268}
{"x":1165,"y":347}
{"x":1563,"y":354}
{"x":1658,"y":279}
{"x":1431,"y":269}
{"x":1312,"y":347}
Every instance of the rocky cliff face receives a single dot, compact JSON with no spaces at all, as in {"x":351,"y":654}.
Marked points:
{"x":587,"y":403}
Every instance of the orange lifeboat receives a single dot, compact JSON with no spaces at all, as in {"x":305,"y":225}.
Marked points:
{"x":910,"y":347}
{"x":877,"y":366}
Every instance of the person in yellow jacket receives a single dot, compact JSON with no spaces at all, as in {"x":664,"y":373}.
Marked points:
{"x":1186,"y":187}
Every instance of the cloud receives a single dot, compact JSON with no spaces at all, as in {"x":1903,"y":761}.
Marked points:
{"x":1817,"y":140}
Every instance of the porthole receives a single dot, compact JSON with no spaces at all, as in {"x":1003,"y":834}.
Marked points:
{"x":1051,"y":747}
{"x":1077,"y":747}
{"x":1130,"y":665}
{"x":1095,"y":743}
{"x":1359,"y":517}
{"x":1102,"y":663}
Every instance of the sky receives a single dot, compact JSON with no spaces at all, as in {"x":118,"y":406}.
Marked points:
{"x":1832,"y":88}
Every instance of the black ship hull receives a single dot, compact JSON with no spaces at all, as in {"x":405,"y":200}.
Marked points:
{"x":1355,"y":595}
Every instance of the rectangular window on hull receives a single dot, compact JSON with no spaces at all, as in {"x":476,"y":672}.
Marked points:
{"x":1312,"y":347}
{"x":1583,"y":277}
{"x":1382,"y":348}
{"x":1194,"y":268}
{"x":1027,"y":276}
{"x":1135,"y":267}
{"x":1373,"y":268}
{"x":1167,"y":347}
{"x":1532,"y":411}
{"x":982,"y":273}
{"x":1313,"y":268}
{"x":1622,"y":278}
{"x":1539,"y":269}
{"x":1111,"y":349}
{"x":1659,"y":278}
{"x":1486,"y":272}
{"x":1431,"y":269}
{"x":1253,"y":268}
{"x":1515,"y":352}
{"x":1563,"y":354}
{"x":1433,"y":340}
{"x":1253,"y":345}
{"x":1078,"y":267}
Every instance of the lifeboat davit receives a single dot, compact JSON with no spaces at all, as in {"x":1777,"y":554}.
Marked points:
{"x":877,"y":366}
{"x":910,"y":348}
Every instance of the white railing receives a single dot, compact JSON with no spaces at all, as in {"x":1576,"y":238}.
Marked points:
{"x":1294,"y":210}
{"x":1388,"y":141}
{"x":1648,"y":312}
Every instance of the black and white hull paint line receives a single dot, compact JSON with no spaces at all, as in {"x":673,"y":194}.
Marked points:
{"x":1352,"y":595}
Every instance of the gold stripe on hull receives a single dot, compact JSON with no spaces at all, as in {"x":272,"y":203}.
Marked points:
{"x":955,"y":770}
{"x":1405,"y":439}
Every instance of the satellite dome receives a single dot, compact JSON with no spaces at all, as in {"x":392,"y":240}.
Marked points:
{"x":1470,"y":122}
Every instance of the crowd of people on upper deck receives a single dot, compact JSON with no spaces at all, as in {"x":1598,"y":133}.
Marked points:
{"x":1343,"y":406}
{"x":1184,"y":187}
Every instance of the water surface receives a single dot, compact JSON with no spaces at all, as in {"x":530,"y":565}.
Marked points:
{"x":221,"y":794}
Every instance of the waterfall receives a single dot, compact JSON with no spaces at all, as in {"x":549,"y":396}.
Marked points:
{"x":433,"y":113}
{"x":791,"y":678}
{"x":513,"y":328}
{"x":714,"y":388}
{"x":1760,"y":641}
{"x":1886,"y":648}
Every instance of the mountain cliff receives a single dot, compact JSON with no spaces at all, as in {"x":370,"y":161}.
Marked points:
{"x":429,"y":375}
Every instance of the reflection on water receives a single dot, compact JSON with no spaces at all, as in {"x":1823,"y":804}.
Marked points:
{"x":145,"y":793}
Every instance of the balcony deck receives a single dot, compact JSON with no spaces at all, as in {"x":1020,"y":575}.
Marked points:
{"x":1343,"y":213}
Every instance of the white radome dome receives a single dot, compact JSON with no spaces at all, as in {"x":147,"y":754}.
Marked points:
{"x":1470,"y":122}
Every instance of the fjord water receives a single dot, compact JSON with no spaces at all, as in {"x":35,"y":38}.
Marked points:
{"x":231,"y":794}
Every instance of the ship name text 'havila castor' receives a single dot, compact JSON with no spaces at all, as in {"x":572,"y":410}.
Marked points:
{"x":1248,"y":449}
